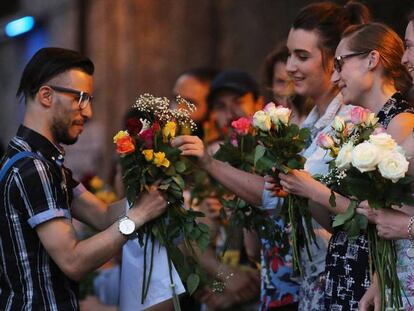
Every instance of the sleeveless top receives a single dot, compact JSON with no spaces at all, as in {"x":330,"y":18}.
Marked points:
{"x":347,"y":266}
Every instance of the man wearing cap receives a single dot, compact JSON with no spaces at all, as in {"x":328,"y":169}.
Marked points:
{"x":233,"y":94}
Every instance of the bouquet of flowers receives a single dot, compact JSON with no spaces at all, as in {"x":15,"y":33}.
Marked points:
{"x":146,"y":157}
{"x":279,"y":144}
{"x":239,"y":150}
{"x":368,"y":165}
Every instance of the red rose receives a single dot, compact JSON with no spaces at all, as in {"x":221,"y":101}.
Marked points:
{"x":148,"y":137}
{"x":156,"y":127}
{"x":134,"y":126}
{"x":241,"y":126}
{"x":125,"y":145}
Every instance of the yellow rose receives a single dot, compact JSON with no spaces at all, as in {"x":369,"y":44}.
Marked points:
{"x":96,"y":183}
{"x":161,"y":160}
{"x":148,"y":154}
{"x":119,"y":135}
{"x":169,"y":130}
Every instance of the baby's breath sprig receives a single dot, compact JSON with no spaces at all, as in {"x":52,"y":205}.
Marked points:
{"x":158,"y":109}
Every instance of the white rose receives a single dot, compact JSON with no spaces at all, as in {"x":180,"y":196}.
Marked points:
{"x":338,"y":124}
{"x":344,"y":158}
{"x":282,"y":115}
{"x":383,"y":141}
{"x":371,"y":120}
{"x":278,"y":115}
{"x":262,"y":120}
{"x":365,"y":157}
{"x":393,"y":165}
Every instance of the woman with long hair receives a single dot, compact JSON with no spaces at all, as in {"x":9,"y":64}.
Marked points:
{"x":312,"y":40}
{"x":369,"y":74}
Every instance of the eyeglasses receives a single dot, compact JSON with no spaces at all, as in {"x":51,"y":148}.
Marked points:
{"x":340,"y":60}
{"x":84,"y":98}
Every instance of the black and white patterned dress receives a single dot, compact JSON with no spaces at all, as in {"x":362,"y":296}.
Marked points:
{"x":347,"y":267}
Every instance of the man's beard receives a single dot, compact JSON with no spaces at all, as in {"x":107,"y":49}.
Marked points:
{"x":60,"y":132}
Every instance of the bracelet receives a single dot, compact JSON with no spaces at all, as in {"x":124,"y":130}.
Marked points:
{"x":410,"y":228}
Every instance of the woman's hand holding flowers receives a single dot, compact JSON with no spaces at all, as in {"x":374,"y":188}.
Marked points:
{"x":300,"y":182}
{"x":391,"y":224}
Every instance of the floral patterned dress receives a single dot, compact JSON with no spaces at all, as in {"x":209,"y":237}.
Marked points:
{"x":347,"y":267}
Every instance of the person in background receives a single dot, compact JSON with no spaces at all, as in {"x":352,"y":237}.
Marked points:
{"x":233,"y":94}
{"x":312,"y":41}
{"x":281,"y":85}
{"x":194,"y":85}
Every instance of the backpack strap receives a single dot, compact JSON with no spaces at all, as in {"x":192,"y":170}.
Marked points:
{"x":14,"y":159}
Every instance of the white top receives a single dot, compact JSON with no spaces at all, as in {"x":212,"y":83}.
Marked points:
{"x":316,"y":163}
{"x":132,"y":271}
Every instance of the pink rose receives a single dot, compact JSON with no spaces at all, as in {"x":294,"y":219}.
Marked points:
{"x":379,"y":130}
{"x":269,"y":107}
{"x":359,"y":115}
{"x":148,"y":137}
{"x":325,"y":141}
{"x":241,"y":126}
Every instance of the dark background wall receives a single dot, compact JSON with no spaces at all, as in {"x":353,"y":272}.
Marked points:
{"x":142,"y":45}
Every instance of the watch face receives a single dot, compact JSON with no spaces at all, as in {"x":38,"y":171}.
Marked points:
{"x":126,"y":226}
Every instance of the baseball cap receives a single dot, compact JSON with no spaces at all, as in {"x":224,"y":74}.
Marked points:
{"x":234,"y":80}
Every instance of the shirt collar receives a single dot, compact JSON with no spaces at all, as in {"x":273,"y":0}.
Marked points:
{"x":40,"y":143}
{"x":316,"y":123}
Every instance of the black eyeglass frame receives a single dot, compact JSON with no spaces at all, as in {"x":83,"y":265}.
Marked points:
{"x":84,"y":100}
{"x":340,"y":60}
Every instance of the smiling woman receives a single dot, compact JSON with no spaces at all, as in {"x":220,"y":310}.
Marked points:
{"x":408,"y":57}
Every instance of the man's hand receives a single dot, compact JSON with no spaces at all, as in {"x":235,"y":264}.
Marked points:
{"x":192,"y":146}
{"x":149,"y":206}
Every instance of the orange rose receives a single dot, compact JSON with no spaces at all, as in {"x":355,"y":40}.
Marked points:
{"x":125,"y":145}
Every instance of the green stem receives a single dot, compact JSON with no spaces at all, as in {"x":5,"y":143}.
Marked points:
{"x":295,"y":247}
{"x":144,"y":282}
{"x":151,"y":265}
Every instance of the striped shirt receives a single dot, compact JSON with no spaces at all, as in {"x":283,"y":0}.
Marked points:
{"x":32,"y":192}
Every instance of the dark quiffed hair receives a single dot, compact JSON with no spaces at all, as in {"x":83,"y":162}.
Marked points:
{"x":48,"y":63}
{"x":330,"y":20}
{"x":202,"y":74}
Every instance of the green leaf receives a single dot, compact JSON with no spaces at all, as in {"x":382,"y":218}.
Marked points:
{"x":193,"y":281}
{"x":259,"y":153}
{"x":163,"y":186}
{"x":180,"y":167}
{"x":180,"y":181}
{"x":203,"y":227}
{"x":340,"y":219}
{"x":362,"y":221}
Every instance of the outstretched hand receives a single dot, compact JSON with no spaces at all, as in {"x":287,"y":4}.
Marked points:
{"x":192,"y":146}
{"x":300,"y":182}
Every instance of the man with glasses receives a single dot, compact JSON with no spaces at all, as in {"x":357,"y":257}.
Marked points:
{"x":41,"y":258}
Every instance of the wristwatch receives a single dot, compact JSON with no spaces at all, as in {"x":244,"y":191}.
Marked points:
{"x":126,"y":226}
